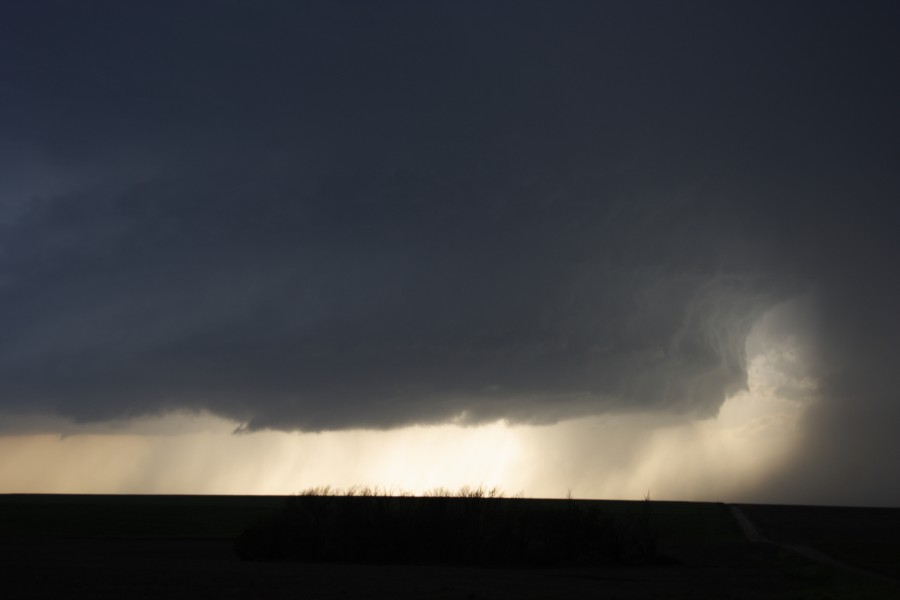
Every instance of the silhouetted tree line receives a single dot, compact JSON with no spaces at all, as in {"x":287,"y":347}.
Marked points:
{"x":448,"y":530}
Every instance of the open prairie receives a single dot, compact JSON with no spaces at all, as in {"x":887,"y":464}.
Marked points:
{"x":867,"y":538}
{"x":183,"y":546}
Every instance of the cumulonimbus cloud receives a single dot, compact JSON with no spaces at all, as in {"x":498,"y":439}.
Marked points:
{"x":331,"y":217}
{"x":290,"y":305}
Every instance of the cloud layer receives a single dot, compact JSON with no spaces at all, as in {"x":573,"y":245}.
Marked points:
{"x":339,"y":216}
{"x":388,"y":303}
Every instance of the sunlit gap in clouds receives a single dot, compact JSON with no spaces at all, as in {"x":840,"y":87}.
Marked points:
{"x":609,"y":456}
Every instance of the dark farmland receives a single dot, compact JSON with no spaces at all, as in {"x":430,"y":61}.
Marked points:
{"x":182,"y":546}
{"x":868,"y":538}
{"x":131,"y":516}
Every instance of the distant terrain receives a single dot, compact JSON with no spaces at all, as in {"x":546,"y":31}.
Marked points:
{"x":150,"y":546}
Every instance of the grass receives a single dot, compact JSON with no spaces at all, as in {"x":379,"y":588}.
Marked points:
{"x":131,"y":516}
{"x":814,"y":580}
{"x":475,"y":526}
{"x":42,"y":534}
{"x":226,"y":517}
{"x":868,"y":538}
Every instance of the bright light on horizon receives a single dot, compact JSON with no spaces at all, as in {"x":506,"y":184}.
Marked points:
{"x":611,"y":456}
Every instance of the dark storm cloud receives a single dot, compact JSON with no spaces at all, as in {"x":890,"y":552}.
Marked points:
{"x":347,"y":215}
{"x":375,"y":302}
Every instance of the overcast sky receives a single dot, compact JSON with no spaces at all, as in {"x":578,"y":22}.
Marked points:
{"x":353,"y":215}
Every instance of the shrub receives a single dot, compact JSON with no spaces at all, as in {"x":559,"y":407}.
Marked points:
{"x":474,"y":527}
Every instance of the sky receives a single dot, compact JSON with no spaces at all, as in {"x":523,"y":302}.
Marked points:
{"x":599,"y":248}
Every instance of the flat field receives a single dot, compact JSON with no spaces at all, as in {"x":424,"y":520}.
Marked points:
{"x":868,"y":538}
{"x":131,"y":516}
{"x":182,"y":546}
